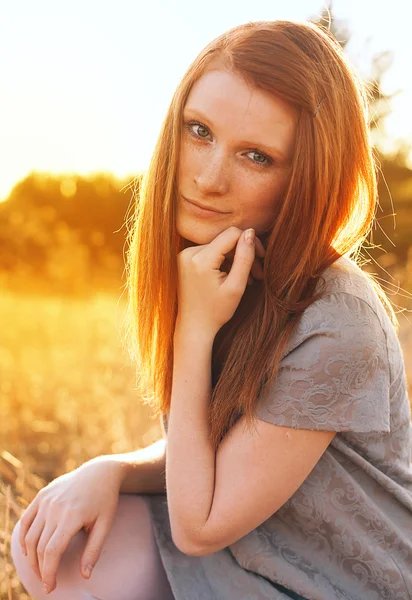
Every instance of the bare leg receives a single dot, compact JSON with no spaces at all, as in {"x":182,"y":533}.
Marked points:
{"x":129,"y":567}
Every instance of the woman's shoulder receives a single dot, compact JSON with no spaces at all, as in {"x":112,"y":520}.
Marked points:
{"x":349,"y":307}
{"x":346,"y":277}
{"x":348,"y":291}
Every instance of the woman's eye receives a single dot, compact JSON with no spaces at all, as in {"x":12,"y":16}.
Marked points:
{"x":262,"y":156}
{"x":199,"y":131}
{"x":264,"y":161}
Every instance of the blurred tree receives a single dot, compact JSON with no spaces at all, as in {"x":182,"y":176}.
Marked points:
{"x":394,"y":176}
{"x":380,"y":103}
{"x":68,"y":232}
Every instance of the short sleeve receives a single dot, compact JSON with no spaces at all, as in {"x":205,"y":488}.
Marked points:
{"x":335,"y":374}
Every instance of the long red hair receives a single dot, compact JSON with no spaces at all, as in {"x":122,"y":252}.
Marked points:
{"x":327,"y":210}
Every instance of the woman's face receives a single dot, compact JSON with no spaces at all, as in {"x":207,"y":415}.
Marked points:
{"x":235,"y":155}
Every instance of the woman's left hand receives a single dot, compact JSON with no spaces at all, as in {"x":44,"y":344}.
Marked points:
{"x":208,"y":297}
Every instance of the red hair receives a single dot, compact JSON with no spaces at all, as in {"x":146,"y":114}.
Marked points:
{"x":327,"y":210}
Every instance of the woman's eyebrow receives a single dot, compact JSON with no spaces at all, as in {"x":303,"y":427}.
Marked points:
{"x":271,"y":149}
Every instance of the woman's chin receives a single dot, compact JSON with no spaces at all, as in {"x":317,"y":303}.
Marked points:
{"x":199,"y":235}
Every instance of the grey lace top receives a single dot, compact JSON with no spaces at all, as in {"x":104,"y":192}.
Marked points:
{"x":346,"y":533}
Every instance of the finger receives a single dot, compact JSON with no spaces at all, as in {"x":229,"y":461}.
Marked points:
{"x":52,"y":554}
{"x":26,"y":521}
{"x":242,"y":264}
{"x":213,"y":254}
{"x":32,"y":539}
{"x":257,"y":270}
{"x":49,"y":529}
{"x":225,"y":266}
{"x":260,"y":249}
{"x":94,"y":545}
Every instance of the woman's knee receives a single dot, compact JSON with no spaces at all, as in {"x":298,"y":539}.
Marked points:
{"x":131,"y":559}
{"x":129,"y":566}
{"x":23,"y":568}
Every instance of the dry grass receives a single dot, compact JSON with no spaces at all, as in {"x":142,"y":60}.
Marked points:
{"x":66,"y":395}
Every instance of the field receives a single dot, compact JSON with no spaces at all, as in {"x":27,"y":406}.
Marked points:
{"x":66,"y":395}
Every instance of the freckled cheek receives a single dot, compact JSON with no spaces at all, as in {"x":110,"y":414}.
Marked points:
{"x":183,"y":167}
{"x":256,"y":192}
{"x":186,"y":164}
{"x":192,"y":160}
{"x":257,"y":195}
{"x":260,"y":211}
{"x":259,"y":207}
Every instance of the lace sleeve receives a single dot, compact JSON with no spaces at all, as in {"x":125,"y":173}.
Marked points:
{"x":336,"y":377}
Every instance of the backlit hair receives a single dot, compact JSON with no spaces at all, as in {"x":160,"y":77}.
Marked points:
{"x":327,"y":210}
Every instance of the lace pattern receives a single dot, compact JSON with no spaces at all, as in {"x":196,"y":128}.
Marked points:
{"x":346,"y":533}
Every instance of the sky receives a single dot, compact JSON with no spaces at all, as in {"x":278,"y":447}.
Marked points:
{"x":85,"y":84}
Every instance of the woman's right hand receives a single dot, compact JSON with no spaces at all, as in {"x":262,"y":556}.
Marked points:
{"x":84,"y":498}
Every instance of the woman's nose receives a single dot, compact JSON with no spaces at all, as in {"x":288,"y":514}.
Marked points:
{"x":214,"y":176}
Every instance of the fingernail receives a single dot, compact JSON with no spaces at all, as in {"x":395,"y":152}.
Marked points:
{"x":250,"y":235}
{"x":46,"y":588}
{"x":88,"y":570}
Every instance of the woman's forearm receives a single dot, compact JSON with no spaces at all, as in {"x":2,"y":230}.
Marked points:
{"x":190,"y":461}
{"x":143,"y":471}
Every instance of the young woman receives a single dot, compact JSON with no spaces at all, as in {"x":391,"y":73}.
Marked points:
{"x":273,"y":359}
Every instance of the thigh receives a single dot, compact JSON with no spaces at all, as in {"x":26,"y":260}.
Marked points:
{"x":129,"y":566}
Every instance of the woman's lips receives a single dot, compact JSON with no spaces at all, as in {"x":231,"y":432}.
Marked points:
{"x":202,"y":212}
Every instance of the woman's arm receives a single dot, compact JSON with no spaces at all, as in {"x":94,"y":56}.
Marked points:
{"x":215,"y":498}
{"x":190,"y":464}
{"x":143,"y":471}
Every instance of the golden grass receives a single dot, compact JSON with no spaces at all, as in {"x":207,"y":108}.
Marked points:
{"x":66,"y":395}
